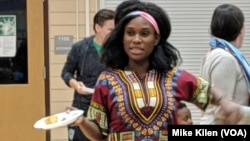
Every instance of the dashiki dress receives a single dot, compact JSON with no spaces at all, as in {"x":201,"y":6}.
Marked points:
{"x":129,"y":109}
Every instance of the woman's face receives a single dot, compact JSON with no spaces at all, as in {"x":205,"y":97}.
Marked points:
{"x":139,"y":39}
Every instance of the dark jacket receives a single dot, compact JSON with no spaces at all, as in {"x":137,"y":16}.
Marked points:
{"x":84,"y":67}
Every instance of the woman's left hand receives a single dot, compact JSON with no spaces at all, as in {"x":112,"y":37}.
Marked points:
{"x":231,"y":110}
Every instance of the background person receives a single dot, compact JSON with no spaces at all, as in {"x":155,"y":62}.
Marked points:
{"x":184,"y":116}
{"x":224,"y":65}
{"x":83,"y":66}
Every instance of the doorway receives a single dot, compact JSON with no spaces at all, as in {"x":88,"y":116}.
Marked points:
{"x":22,"y":85}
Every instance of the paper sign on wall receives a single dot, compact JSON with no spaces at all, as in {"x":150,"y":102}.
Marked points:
{"x":7,"y":35}
{"x":63,"y":44}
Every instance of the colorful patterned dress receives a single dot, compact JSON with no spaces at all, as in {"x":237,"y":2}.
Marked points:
{"x":130,"y":109}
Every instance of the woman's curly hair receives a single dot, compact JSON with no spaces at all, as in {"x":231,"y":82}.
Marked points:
{"x":164,"y":56}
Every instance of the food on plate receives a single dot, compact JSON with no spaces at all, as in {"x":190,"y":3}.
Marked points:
{"x":51,"y":119}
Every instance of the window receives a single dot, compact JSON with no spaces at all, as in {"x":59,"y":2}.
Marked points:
{"x":13,"y":42}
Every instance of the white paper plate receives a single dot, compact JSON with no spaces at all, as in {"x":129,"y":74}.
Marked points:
{"x":63,"y":119}
{"x":89,"y":90}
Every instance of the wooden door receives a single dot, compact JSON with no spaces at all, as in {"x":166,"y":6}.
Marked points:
{"x":22,"y":104}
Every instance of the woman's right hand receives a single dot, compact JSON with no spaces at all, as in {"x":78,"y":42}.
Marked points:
{"x":90,"y":129}
{"x":79,"y":120}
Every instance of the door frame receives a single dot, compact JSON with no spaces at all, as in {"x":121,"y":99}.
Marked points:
{"x":46,"y":61}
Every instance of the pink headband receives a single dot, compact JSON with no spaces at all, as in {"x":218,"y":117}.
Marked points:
{"x":148,"y":17}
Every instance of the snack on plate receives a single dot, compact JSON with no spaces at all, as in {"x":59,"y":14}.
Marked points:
{"x":51,"y":119}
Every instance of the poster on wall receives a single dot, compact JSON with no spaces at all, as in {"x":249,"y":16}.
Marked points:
{"x":7,"y":35}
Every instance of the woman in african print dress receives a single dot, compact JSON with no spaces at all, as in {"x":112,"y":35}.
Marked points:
{"x":135,"y":99}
